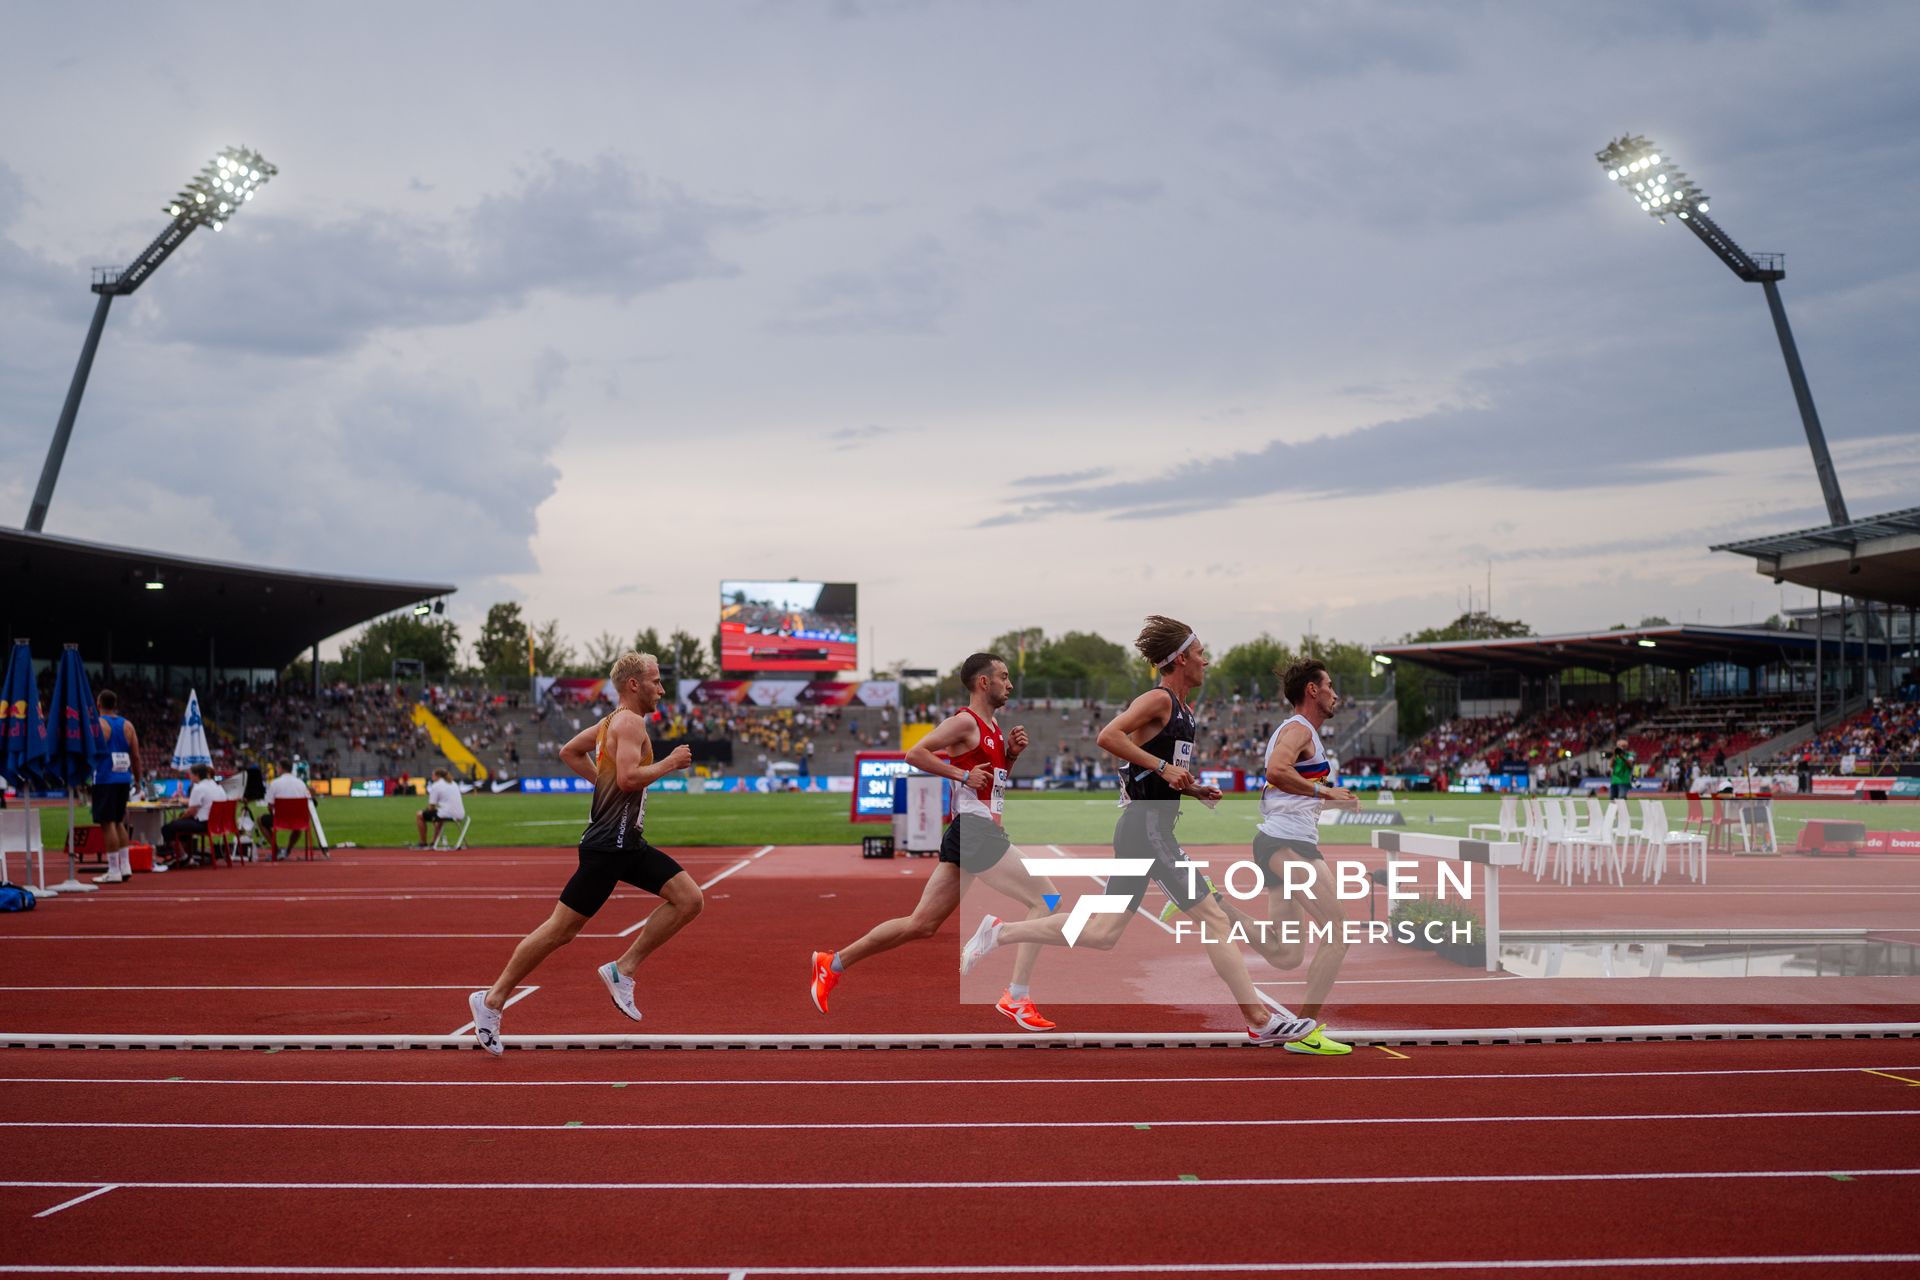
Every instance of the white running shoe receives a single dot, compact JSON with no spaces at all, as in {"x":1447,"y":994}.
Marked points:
{"x":486,"y":1024}
{"x":1282,"y":1030}
{"x":620,"y":988}
{"x":984,"y":939}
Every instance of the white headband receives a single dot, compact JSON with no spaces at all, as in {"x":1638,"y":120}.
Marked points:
{"x":1184,"y":645}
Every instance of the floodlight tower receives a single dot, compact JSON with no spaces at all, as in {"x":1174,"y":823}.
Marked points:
{"x":209,"y":198}
{"x":1660,"y":188}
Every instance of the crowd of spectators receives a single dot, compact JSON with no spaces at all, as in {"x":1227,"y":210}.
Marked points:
{"x":1541,"y":741}
{"x":1879,"y":737}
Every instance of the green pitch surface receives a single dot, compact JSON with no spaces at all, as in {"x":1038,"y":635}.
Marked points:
{"x":1033,"y":818}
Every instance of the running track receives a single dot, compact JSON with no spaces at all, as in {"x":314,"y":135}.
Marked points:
{"x":1751,"y":1159}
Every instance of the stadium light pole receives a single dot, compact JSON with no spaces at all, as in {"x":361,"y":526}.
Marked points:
{"x":1649,"y":175}
{"x":209,"y":198}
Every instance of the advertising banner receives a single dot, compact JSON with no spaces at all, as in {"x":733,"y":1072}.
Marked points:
{"x":1842,"y":786}
{"x":1891,"y":842}
{"x":791,"y":693}
{"x":571,"y":691}
{"x":873,"y":775}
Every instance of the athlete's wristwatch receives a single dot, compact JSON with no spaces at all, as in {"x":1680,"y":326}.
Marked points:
{"x":1160,"y":767}
{"x":1316,"y":790}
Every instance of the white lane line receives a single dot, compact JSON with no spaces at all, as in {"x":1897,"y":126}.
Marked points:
{"x":572,"y":1126}
{"x":918,"y":1082}
{"x":451,"y":986}
{"x":512,"y":1000}
{"x":998,"y":1269}
{"x":1020,"y":1184}
{"x":636,"y":927}
{"x":254,"y":937}
{"x":761,"y":852}
{"x":68,"y":1204}
{"x":1396,"y":982}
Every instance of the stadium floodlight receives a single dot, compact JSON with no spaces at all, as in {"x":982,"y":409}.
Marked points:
{"x":1383,"y":659}
{"x":1649,"y":175}
{"x":209,"y":198}
{"x":1646,"y":644}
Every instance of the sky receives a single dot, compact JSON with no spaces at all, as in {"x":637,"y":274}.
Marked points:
{"x":1272,"y":317}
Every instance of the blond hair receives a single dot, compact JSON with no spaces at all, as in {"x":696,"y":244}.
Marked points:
{"x":1160,"y":638}
{"x":628,"y":665}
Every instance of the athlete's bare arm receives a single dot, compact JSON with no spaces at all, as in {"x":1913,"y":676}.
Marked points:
{"x":956,"y":735}
{"x":1144,"y":717}
{"x":627,"y":739}
{"x":1292,"y":744}
{"x":133,"y":753}
{"x":1016,"y":743}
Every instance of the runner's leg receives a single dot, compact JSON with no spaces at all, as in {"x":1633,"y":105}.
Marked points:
{"x":559,"y":929}
{"x":1322,"y":905}
{"x":1013,"y":879}
{"x":680,"y":901}
{"x":938,"y":900}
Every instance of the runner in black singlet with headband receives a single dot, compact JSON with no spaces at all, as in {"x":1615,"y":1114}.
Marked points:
{"x":1153,"y":741}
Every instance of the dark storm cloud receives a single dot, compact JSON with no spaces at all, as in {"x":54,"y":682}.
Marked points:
{"x":305,"y":287}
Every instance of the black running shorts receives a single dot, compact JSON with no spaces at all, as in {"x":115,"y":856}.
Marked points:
{"x":973,"y":843}
{"x":110,"y":801}
{"x":1266,"y":848}
{"x":639,"y":864}
{"x":1145,"y":830}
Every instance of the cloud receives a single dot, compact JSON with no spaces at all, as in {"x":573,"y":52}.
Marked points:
{"x":909,"y":292}
{"x":1077,"y":195}
{"x":297,"y":286}
{"x":1061,"y":478}
{"x":853,"y":437}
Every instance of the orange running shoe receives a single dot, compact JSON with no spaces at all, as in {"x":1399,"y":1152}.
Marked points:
{"x":1022,"y":1012}
{"x":824,"y":978}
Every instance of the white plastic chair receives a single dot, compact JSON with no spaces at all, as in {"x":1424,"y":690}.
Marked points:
{"x":1661,"y":839}
{"x":1505,"y":827}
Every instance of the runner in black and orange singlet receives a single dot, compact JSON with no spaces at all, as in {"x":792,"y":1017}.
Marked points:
{"x":617,"y":757}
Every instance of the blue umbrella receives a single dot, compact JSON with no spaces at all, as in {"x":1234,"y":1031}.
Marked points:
{"x":23,"y":733}
{"x":76,"y":748}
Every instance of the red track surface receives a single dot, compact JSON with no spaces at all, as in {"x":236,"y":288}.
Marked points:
{"x":972,"y":1161}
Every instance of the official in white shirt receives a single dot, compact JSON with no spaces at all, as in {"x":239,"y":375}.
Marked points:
{"x":286,"y":785}
{"x":205,"y":794}
{"x":444,"y":805}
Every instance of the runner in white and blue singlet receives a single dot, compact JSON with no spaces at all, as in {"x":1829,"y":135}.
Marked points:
{"x":1297,"y":787}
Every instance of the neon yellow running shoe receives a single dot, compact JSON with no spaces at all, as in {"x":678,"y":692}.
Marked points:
{"x":1318,"y":1041}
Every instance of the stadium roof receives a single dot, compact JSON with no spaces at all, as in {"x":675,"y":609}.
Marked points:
{"x":1874,"y":559}
{"x":1677,"y":648}
{"x":59,"y":590}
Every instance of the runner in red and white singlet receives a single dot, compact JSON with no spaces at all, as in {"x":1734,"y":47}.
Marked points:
{"x":979,"y":757}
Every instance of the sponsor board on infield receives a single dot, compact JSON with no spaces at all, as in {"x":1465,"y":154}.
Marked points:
{"x":1828,"y":785}
{"x":1891,"y":842}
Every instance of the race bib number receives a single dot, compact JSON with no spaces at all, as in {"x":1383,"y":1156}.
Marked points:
{"x":997,"y":800}
{"x":120,"y":761}
{"x":1183,"y":754}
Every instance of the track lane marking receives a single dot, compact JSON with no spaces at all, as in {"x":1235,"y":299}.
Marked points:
{"x":752,"y":1126}
{"x":992,"y":1269}
{"x":916,"y":1082}
{"x":81,"y":1199}
{"x":632,"y":929}
{"x":1890,"y":1076}
{"x":512,"y":1000}
{"x":1031,"y":1184}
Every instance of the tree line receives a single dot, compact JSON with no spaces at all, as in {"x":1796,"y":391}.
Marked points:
{"x":1079,"y":664}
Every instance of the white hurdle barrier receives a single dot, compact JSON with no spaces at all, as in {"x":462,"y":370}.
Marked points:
{"x":1491,"y":854}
